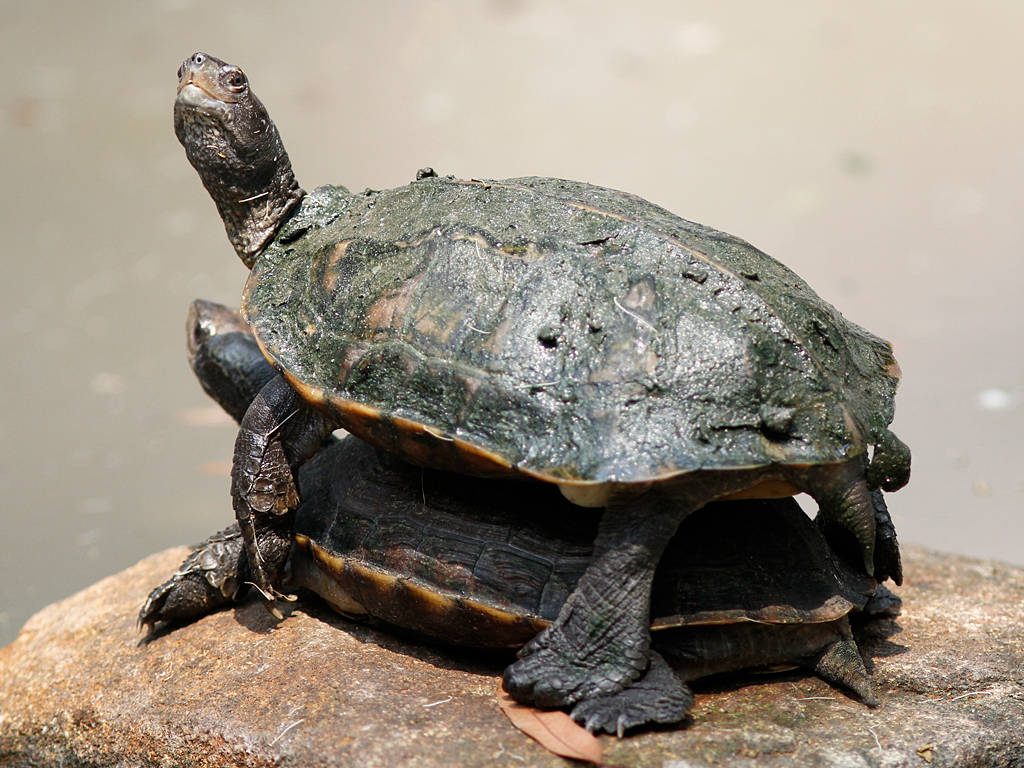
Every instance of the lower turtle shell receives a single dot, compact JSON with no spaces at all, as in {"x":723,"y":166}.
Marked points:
{"x":560,"y":330}
{"x":489,"y":563}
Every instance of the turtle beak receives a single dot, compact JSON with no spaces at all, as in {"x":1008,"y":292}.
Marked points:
{"x":198,"y":81}
{"x":193,"y":95}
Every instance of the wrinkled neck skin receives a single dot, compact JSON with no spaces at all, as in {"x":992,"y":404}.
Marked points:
{"x":237,"y":151}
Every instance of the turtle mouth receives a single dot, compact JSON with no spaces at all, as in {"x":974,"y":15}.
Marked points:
{"x":196,"y":92}
{"x":200,"y":87}
{"x":195,"y":104}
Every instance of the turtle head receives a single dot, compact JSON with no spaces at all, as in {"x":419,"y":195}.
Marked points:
{"x":234,"y":145}
{"x":225,"y":357}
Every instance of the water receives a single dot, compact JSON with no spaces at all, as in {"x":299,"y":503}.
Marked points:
{"x":875,"y":149}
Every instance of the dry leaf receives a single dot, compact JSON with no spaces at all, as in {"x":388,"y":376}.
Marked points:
{"x":552,"y":729}
{"x":925,"y":752}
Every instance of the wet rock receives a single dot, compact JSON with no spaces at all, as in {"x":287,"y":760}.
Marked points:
{"x":80,"y":686}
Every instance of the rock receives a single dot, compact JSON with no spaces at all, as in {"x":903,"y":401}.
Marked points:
{"x":81,"y":687}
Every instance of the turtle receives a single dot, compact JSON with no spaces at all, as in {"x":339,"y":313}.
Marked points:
{"x":489,"y":563}
{"x":543,"y":329}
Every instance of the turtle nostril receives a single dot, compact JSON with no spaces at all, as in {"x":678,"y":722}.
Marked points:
{"x":199,"y":59}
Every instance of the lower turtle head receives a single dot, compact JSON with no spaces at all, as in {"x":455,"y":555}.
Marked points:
{"x":234,"y":145}
{"x":225,"y":357}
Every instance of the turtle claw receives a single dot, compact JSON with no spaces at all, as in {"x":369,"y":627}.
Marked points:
{"x":271,"y":597}
{"x":854,"y":519}
{"x":657,"y":697}
{"x":270,"y":594}
{"x":273,"y":610}
{"x":150,"y":613}
{"x":552,"y":672}
{"x":267,"y":558}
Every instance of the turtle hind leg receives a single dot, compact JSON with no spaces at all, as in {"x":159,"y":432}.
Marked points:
{"x":213,"y":575}
{"x":840,"y":663}
{"x":887,"y":561}
{"x":658,"y":697}
{"x":827,"y":649}
{"x":601,"y":641}
{"x":846,"y":510}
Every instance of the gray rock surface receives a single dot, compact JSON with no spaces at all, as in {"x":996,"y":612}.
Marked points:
{"x":80,"y":686}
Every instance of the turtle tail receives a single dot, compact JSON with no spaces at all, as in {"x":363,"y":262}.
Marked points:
{"x":840,"y":663}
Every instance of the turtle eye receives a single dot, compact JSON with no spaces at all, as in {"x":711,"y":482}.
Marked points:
{"x":235,"y":80}
{"x":181,"y":71}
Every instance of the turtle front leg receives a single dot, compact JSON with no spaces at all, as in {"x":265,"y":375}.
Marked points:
{"x":601,"y":643}
{"x":210,"y":577}
{"x":278,"y":434}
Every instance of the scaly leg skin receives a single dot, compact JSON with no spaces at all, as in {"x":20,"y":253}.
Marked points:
{"x":888,"y":563}
{"x":659,"y":696}
{"x":600,"y":643}
{"x":846,"y":510}
{"x":278,"y":434}
{"x":882,"y":604}
{"x":211,"y":577}
{"x":597,"y":646}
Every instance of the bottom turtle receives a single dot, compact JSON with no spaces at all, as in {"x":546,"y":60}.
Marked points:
{"x":489,"y":563}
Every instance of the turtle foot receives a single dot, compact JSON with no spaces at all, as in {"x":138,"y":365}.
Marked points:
{"x":554,"y":672}
{"x":888,"y":564}
{"x":657,"y":697}
{"x":271,"y":597}
{"x":884,"y":603}
{"x":208,"y":579}
{"x":267,"y":558}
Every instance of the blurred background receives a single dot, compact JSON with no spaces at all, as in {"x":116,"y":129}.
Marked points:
{"x":876,"y":148}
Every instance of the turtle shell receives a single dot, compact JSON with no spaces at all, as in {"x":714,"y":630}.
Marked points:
{"x":489,"y":563}
{"x":560,"y":330}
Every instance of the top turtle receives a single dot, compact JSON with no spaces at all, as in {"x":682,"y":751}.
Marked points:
{"x":547,"y":329}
